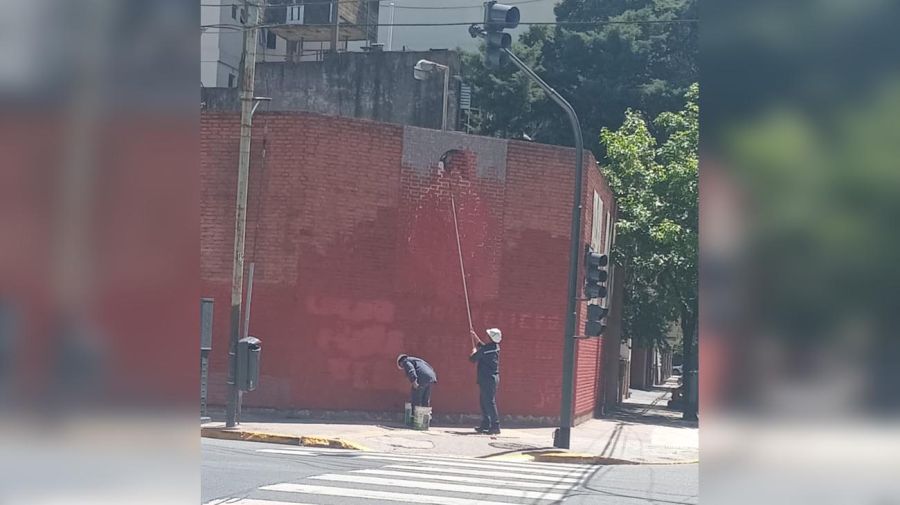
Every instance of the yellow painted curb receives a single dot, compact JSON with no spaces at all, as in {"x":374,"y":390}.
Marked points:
{"x":510,"y":457}
{"x":275,"y":438}
{"x":593,"y":459}
{"x":587,"y":459}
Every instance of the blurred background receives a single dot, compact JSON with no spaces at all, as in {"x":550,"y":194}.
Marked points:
{"x":99,"y":251}
{"x":800,"y":200}
{"x":800,"y":289}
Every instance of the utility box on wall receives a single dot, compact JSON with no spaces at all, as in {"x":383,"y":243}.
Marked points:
{"x":248,"y":352}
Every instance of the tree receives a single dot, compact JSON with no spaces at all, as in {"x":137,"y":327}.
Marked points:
{"x":602,"y":69}
{"x":656,"y":188}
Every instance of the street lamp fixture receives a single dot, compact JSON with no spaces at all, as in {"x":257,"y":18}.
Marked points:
{"x":423,"y":70}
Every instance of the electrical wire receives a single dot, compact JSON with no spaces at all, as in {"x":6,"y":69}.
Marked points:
{"x":396,"y":6}
{"x":460,"y":23}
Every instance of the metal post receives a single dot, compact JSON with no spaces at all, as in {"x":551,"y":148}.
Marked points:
{"x":446,"y":96}
{"x":247,"y":303}
{"x":248,"y":78}
{"x":565,"y":419}
{"x":206,"y":321}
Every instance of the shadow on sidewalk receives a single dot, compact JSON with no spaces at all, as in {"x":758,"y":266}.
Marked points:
{"x":650,"y":407}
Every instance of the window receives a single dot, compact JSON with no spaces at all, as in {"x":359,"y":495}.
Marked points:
{"x":295,"y":14}
{"x":271,"y":40}
{"x":234,"y":12}
{"x":609,"y":232}
{"x":597,"y":224}
{"x":230,"y":80}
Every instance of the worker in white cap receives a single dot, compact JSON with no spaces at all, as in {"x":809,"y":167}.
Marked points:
{"x":487,"y":356}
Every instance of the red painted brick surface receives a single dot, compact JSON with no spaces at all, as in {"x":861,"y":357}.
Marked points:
{"x":356,"y":262}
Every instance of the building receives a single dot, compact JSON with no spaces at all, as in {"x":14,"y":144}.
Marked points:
{"x":350,"y":230}
{"x":375,"y":85}
{"x":221,"y":43}
{"x":652,"y":362}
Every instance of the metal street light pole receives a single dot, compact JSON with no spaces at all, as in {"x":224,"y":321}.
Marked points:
{"x":446,"y":71}
{"x":562,"y":439}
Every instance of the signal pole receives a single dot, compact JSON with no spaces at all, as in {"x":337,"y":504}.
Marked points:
{"x":498,"y":17}
{"x":563,"y":435}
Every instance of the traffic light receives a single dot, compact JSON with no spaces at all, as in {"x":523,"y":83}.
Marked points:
{"x":498,"y":17}
{"x":595,"y":274}
{"x":594,"y":326}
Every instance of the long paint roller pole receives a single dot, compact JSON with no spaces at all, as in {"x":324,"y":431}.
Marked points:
{"x":462,"y":268}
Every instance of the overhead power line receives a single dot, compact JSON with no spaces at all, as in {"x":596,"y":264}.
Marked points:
{"x":396,"y":4}
{"x":467,"y":23}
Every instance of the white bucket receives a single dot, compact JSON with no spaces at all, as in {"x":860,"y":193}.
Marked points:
{"x":421,"y":418}
{"x":408,"y":415}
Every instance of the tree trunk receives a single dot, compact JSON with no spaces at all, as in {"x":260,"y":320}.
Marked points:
{"x":690,"y":363}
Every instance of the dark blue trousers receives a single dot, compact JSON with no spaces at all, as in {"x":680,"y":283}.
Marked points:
{"x":421,"y":397}
{"x":488,"y":393}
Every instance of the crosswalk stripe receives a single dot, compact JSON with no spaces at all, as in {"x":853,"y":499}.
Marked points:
{"x":530,"y":464}
{"x":470,"y":480}
{"x":251,"y":501}
{"x":486,"y":465}
{"x":377,"y":495}
{"x":287,"y":451}
{"x":439,"y":486}
{"x":418,"y":457}
{"x":486,"y":473}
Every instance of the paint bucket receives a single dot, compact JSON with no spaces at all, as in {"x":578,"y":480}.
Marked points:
{"x":421,"y":418}
{"x":408,"y":415}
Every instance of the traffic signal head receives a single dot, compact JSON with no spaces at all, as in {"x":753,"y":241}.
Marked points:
{"x":595,"y":274}
{"x":500,"y":17}
{"x":594,"y":326}
{"x":495,"y":44}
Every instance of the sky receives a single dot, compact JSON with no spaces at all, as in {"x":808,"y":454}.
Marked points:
{"x":449,"y":37}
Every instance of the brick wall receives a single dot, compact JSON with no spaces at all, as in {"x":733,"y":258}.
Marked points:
{"x":351,"y":229}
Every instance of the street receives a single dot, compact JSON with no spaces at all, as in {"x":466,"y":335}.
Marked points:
{"x":250,"y":473}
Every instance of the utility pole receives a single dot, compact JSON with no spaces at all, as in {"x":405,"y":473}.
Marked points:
{"x":248,"y":78}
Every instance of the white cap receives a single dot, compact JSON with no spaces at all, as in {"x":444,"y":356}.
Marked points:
{"x":495,"y":335}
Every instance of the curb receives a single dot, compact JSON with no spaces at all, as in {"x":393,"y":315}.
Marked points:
{"x":591,"y":459}
{"x":585,"y":459}
{"x":275,"y":438}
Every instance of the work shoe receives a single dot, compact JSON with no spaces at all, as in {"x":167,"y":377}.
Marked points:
{"x":495,"y":430}
{"x":482,"y":429}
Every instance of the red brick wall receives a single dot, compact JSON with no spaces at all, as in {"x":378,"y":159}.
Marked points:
{"x":356,"y":261}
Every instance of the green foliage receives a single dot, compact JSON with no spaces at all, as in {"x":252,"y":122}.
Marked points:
{"x":656,"y":187}
{"x":601,"y":69}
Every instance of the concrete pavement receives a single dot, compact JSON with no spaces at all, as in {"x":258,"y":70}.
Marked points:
{"x":642,"y":431}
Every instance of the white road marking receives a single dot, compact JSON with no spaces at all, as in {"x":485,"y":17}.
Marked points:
{"x":469,"y":480}
{"x":487,"y":465}
{"x":377,"y":495}
{"x":440,"y":486}
{"x":287,"y":451}
{"x":487,"y":473}
{"x":250,"y":501}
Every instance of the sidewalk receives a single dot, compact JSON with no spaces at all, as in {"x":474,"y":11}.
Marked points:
{"x":642,"y":431}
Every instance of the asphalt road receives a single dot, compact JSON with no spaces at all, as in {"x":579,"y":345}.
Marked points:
{"x":247,"y":473}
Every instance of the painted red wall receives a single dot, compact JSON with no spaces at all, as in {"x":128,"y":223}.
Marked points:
{"x":350,"y":226}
